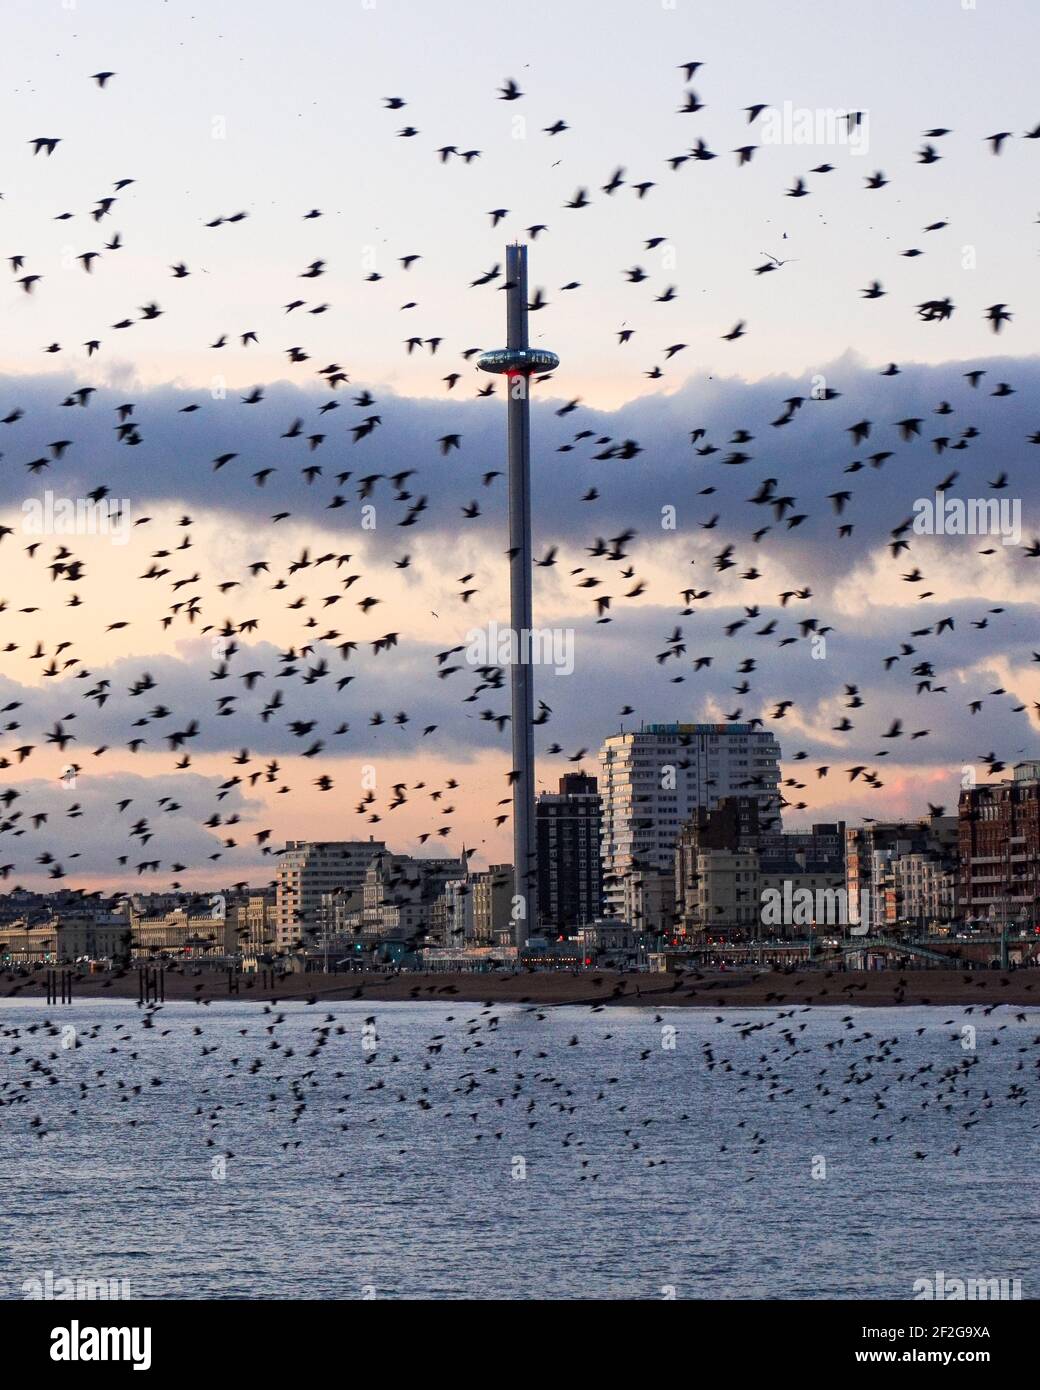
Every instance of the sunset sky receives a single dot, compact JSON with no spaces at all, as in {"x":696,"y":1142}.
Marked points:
{"x":274,"y":111}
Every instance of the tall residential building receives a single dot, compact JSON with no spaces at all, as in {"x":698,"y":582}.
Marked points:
{"x":306,"y":870}
{"x":653,"y":780}
{"x":570,"y":873}
{"x":999,"y":848}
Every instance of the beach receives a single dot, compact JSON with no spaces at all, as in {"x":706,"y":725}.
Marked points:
{"x":731,"y":988}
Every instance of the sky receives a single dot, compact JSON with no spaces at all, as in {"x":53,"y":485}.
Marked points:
{"x":275,"y":111}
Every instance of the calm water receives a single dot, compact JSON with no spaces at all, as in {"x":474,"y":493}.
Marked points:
{"x":565,"y":1154}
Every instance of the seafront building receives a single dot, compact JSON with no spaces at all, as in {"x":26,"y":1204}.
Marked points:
{"x":67,"y":937}
{"x":399,"y":892}
{"x":729,"y":863}
{"x":255,"y":919}
{"x":904,"y":872}
{"x":570,"y":873}
{"x":307,"y":869}
{"x":998,"y":848}
{"x":406,"y":897}
{"x":183,"y":933}
{"x":648,"y":904}
{"x":692,"y":850}
{"x":654,"y":779}
{"x":493,"y":892}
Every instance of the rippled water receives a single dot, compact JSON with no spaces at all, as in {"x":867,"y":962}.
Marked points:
{"x":522,"y":1178}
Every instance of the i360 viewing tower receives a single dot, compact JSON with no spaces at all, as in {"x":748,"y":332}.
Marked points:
{"x":518,"y":361}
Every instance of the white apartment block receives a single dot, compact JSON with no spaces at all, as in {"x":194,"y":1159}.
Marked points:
{"x":400,"y":893}
{"x":652,"y":780}
{"x":309,"y":868}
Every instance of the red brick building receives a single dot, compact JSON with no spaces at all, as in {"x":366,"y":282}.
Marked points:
{"x":999,"y":848}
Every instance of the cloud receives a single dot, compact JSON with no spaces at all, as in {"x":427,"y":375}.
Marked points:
{"x":808,"y":457}
{"x":104,"y":627}
{"x":81,"y":833}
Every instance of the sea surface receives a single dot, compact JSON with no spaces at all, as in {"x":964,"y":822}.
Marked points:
{"x":447,"y":1151}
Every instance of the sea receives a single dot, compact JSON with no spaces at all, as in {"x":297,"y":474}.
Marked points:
{"x":446,"y":1150}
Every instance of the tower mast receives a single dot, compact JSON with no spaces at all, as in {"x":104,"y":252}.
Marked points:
{"x":518,"y":361}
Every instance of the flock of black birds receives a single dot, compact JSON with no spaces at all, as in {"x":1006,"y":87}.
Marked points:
{"x":331,"y":652}
{"x":490,"y":1082}
{"x":320,"y":1085}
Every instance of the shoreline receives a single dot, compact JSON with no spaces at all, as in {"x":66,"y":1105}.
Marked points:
{"x":688,"y":989}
